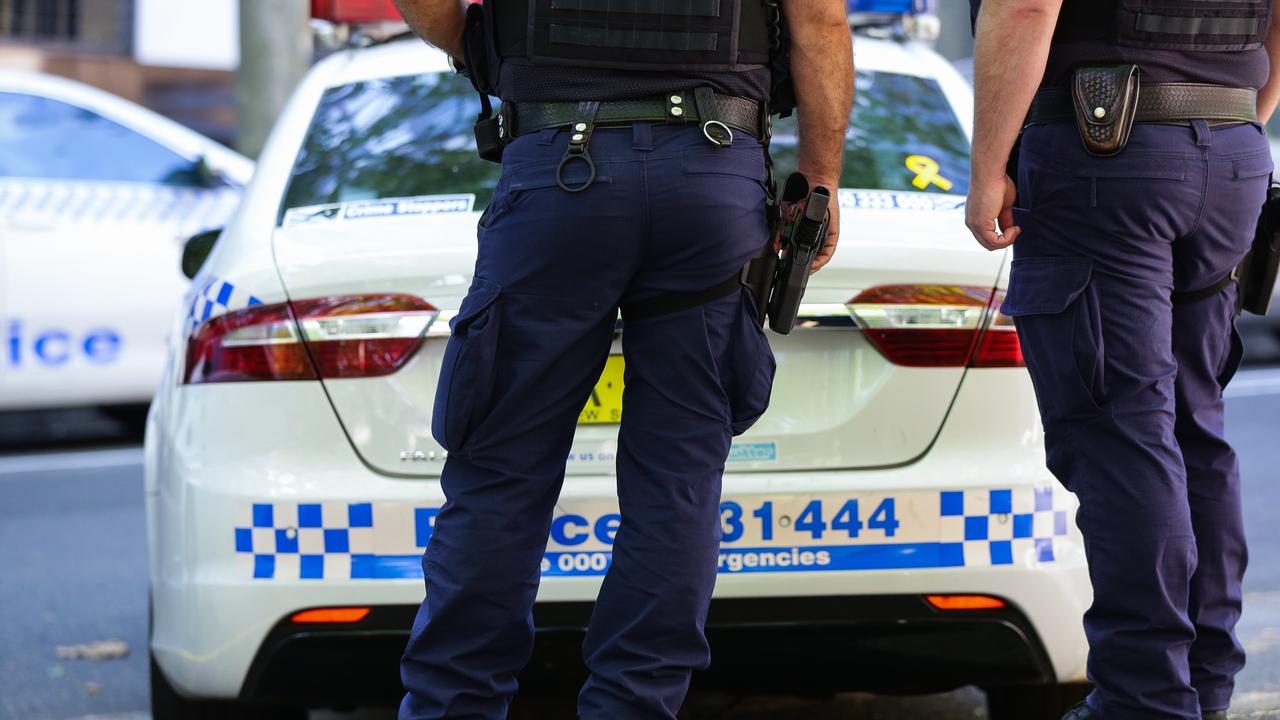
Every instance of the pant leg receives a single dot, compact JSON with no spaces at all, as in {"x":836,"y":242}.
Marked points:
{"x":1090,"y":287}
{"x":529,"y":343}
{"x":1208,"y":350}
{"x":694,"y":379}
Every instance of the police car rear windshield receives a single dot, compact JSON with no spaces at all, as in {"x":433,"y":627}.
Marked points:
{"x":411,"y":136}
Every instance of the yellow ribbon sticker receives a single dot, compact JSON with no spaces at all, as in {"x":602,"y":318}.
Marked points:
{"x":926,"y":170}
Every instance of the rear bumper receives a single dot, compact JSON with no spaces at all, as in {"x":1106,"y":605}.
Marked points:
{"x":890,"y":643}
{"x":214,"y":453}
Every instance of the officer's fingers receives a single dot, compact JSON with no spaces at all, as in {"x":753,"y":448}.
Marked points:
{"x":824,"y":255}
{"x":1009,"y":236}
{"x":986,"y":235}
{"x":1006,"y":218}
{"x":1001,"y":240}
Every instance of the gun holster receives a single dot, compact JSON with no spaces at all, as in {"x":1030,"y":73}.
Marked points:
{"x":1106,"y":103}
{"x":481,"y":67}
{"x":1257,"y":274}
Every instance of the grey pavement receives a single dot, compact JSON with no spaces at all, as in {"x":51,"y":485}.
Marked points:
{"x":73,"y":570}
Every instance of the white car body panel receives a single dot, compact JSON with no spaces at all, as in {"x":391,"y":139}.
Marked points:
{"x":89,"y":270}
{"x":214,"y":452}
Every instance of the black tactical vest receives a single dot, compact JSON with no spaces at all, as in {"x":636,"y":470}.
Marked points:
{"x":1184,"y":25}
{"x":1194,"y":25}
{"x":648,"y":35}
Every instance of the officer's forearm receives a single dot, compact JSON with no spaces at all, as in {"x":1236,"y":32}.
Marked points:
{"x":822,"y":71}
{"x":439,"y":22}
{"x":1269,"y":94}
{"x":1011,"y":50}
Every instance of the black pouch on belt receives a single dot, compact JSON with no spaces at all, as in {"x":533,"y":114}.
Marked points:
{"x":1106,"y":101}
{"x":1257,"y":274}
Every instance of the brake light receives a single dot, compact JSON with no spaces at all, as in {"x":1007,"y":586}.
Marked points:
{"x":936,"y":326}
{"x":331,"y":615}
{"x":965,"y":602}
{"x":344,"y":336}
{"x":999,"y":345}
{"x":257,"y":343}
{"x":355,"y":11}
{"x":363,"y":335}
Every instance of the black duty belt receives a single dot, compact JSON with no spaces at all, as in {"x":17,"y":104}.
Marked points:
{"x":1160,"y":103}
{"x":738,"y":113}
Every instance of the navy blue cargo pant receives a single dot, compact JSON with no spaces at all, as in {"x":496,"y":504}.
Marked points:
{"x":667,"y":212}
{"x":1130,"y":384}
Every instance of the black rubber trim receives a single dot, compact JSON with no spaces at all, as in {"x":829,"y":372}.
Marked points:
{"x":879,"y":643}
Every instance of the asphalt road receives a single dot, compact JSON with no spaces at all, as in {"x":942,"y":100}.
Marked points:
{"x":73,"y":571}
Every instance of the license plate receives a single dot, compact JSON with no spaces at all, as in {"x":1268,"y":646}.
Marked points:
{"x":605,"y":404}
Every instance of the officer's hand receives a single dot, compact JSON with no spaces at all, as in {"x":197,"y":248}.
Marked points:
{"x":989,"y":203}
{"x":833,"y":236}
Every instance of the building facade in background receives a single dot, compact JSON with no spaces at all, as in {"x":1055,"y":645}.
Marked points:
{"x":178,"y":58}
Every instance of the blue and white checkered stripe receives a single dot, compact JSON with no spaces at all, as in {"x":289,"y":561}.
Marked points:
{"x":999,"y":527}
{"x":318,"y":541}
{"x":212,"y":297}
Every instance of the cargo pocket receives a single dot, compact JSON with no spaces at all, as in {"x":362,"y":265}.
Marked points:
{"x":1056,"y":311}
{"x":754,"y":367}
{"x":467,"y":372}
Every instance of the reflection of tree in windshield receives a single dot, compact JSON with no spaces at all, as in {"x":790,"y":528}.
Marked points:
{"x":397,"y":137}
{"x":894,"y":116}
{"x":411,"y":135}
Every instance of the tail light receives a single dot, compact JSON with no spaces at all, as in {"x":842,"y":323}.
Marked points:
{"x":937,"y":326}
{"x":998,"y":346}
{"x":345,"y":336}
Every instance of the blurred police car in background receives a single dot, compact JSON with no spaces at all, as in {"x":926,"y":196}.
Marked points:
{"x":888,"y":525}
{"x":97,"y":197}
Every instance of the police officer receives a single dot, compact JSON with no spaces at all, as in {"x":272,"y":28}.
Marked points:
{"x":634,"y":177}
{"x":1140,"y":177}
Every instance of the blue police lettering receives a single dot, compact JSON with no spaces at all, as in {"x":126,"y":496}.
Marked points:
{"x":607,"y":527}
{"x":55,"y":347}
{"x":559,"y":529}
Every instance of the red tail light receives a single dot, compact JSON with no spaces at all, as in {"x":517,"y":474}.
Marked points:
{"x":354,"y":11}
{"x":937,"y":326}
{"x":344,"y":336}
{"x":998,"y":346}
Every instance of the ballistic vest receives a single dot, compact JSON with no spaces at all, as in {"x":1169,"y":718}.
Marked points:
{"x":672,"y":36}
{"x":1180,"y":25}
{"x":1204,"y":41}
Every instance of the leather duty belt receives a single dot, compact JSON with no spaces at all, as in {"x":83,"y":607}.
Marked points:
{"x":677,"y":107}
{"x":1160,"y":103}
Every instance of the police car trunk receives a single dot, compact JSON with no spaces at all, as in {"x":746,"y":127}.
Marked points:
{"x":376,"y":245}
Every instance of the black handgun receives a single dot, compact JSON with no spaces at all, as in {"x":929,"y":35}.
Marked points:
{"x":1257,"y":274}
{"x":803,"y":231}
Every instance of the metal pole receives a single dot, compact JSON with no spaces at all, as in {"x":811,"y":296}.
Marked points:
{"x":957,"y":37}
{"x":275,"y":52}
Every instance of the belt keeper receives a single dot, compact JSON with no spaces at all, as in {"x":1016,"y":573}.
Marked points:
{"x":677,"y":110}
{"x":579,"y":138}
{"x":713,"y":127}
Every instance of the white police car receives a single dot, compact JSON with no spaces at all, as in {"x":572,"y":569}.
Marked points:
{"x":889,"y":524}
{"x":97,"y":196}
